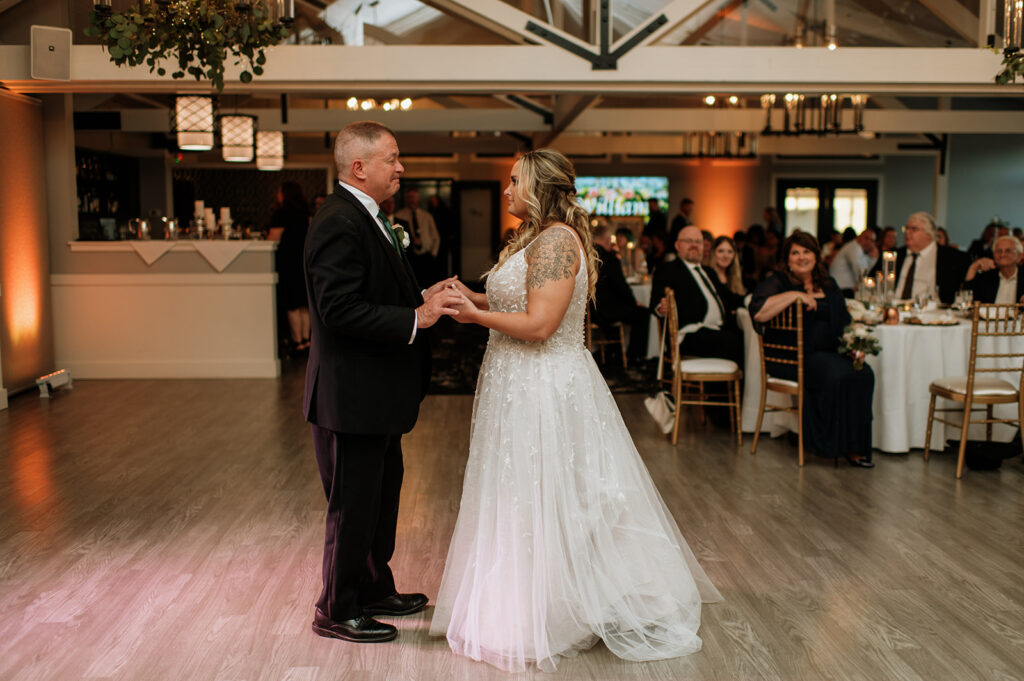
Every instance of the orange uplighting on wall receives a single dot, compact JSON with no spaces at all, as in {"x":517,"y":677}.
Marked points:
{"x":27,"y":349}
{"x":724,"y":192}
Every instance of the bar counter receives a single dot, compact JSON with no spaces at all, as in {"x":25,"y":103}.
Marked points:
{"x":167,"y":309}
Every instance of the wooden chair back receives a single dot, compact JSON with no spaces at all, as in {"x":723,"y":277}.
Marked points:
{"x":996,"y":321}
{"x":787,"y":348}
{"x":670,"y":349}
{"x":790,"y":325}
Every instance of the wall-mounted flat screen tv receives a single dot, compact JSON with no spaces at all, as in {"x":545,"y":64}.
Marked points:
{"x":621,"y":196}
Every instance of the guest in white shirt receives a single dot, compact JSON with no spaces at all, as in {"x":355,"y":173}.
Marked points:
{"x":853,"y":259}
{"x":998,"y":279}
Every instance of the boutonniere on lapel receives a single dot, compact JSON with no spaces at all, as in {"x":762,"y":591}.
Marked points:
{"x":402,"y":235}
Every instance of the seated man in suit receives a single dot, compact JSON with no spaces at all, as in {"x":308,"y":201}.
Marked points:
{"x":614,"y":300}
{"x":931,"y":268}
{"x":998,"y":279}
{"x":707,"y":327}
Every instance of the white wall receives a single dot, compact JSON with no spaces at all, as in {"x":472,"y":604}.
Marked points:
{"x":986,"y":178}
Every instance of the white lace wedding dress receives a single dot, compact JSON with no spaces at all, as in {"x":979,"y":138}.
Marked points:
{"x":562,"y":538}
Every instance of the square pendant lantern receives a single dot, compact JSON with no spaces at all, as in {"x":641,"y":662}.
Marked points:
{"x":238,"y":137}
{"x":270,"y":150}
{"x":193,"y":122}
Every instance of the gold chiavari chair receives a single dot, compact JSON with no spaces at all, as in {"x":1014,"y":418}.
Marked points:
{"x":788,"y":350}
{"x":692,"y":373}
{"x":987,"y":322}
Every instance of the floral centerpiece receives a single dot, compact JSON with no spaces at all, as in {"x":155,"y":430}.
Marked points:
{"x":858,"y":343}
{"x":197,"y":35}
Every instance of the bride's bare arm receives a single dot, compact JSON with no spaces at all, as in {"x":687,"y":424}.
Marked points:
{"x":552,"y":263}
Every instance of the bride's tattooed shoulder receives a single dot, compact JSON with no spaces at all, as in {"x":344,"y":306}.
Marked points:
{"x":552,"y":257}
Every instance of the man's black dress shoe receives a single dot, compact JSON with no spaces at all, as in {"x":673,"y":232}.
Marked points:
{"x":361,"y":629}
{"x":396,"y":605}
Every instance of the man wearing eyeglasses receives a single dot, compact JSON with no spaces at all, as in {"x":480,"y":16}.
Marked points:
{"x":707,"y":325}
{"x":998,"y":279}
{"x":924,"y":267}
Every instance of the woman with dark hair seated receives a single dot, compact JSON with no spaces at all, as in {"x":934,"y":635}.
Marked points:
{"x":837,"y":398}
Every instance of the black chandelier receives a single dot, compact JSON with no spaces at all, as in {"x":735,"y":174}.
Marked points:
{"x":814,"y":114}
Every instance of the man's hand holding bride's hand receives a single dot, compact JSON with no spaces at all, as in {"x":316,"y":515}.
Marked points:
{"x":444,"y":301}
{"x":468,"y":312}
{"x":442,"y":285}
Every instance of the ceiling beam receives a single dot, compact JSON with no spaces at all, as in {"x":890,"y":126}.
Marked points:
{"x":676,"y":12}
{"x":7,"y":4}
{"x":674,"y":146}
{"x":956,"y":16}
{"x":500,"y":18}
{"x":752,"y":120}
{"x":382,"y":35}
{"x":566,"y":110}
{"x":595,"y":120}
{"x":319,"y":70}
{"x":713,"y":21}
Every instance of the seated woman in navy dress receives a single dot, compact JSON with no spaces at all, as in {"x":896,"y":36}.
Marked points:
{"x":837,"y":398}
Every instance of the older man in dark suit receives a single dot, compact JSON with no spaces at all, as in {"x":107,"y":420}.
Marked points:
{"x":998,"y":279}
{"x":708,"y":329}
{"x":368,"y":369}
{"x":923,"y":267}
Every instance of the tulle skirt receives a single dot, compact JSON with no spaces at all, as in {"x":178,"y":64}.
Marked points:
{"x":562,"y":538}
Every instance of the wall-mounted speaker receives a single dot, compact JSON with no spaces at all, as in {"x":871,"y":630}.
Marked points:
{"x":51,"y":53}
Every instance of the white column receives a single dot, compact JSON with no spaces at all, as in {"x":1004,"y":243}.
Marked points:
{"x":986,"y":21}
{"x":61,"y":185}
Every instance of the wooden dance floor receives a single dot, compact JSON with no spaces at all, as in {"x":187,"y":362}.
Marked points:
{"x":154,"y":530}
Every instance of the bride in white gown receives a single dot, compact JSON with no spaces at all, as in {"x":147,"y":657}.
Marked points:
{"x":562,"y":538}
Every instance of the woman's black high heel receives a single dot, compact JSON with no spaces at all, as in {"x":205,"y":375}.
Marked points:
{"x":858,"y":463}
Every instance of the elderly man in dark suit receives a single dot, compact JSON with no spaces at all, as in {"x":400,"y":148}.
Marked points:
{"x":708,"y":327}
{"x":930,"y":269}
{"x":998,"y":279}
{"x":614,"y":300}
{"x":368,"y":369}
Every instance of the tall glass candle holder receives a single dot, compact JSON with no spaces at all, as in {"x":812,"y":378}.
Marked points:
{"x":888,"y":275}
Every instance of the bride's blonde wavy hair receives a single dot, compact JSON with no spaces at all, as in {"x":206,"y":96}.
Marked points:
{"x":547,"y":185}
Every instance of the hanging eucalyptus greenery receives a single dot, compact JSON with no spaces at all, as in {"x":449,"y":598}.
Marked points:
{"x":1013,"y":66}
{"x":197,"y":35}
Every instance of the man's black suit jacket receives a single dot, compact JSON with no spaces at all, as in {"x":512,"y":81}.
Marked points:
{"x":363,"y":375}
{"x":985,"y":285}
{"x":690,"y":300}
{"x":950,"y":269}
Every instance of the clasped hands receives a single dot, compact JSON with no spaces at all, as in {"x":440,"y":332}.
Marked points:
{"x":447,"y":297}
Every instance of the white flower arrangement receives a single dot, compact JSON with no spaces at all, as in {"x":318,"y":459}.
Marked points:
{"x":858,"y":343}
{"x":403,"y":236}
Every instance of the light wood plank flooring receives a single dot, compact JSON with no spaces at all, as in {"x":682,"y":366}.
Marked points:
{"x":154,"y":530}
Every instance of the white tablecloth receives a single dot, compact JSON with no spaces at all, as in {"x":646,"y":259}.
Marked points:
{"x":911,"y":358}
{"x":642,"y":293}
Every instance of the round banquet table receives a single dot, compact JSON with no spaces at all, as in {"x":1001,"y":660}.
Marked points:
{"x":912,"y":356}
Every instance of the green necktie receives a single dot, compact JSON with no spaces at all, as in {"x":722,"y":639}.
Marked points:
{"x":391,"y":232}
